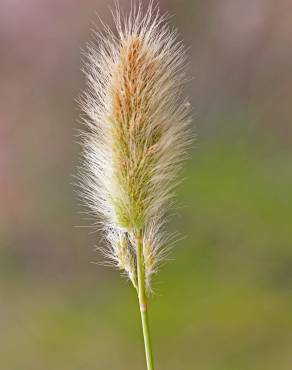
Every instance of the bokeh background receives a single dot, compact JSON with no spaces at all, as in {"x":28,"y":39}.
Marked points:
{"x":224,"y":301}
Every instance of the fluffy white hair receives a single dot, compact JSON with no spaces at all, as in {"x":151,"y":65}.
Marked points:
{"x":137,"y":131}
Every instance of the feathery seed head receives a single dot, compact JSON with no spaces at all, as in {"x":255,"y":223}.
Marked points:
{"x":137,"y":132}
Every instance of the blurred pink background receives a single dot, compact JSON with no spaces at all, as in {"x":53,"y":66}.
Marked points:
{"x":241,"y":68}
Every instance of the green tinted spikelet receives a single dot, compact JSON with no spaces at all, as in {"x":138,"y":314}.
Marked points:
{"x":137,"y":133}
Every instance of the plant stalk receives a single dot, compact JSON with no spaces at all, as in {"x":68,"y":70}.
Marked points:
{"x":143,"y":303}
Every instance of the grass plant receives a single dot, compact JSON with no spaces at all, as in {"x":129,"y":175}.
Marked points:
{"x":137,"y":132}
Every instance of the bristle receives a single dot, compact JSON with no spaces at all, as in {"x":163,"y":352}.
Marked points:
{"x":137,"y":132}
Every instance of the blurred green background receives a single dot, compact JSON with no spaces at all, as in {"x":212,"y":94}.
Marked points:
{"x":224,"y":300}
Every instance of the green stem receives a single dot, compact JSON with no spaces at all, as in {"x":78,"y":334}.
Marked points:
{"x":143,"y":303}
